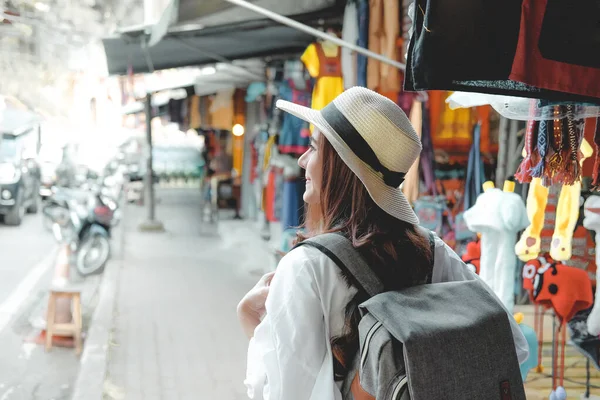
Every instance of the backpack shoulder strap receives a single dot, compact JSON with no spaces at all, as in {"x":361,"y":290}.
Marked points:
{"x":341,"y":251}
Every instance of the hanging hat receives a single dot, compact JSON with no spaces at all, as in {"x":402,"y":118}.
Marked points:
{"x":565,"y":289}
{"x":373,"y":136}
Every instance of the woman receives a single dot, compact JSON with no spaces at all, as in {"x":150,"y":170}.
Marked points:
{"x":298,"y":318}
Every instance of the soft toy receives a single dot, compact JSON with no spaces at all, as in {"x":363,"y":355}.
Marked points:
{"x":567,"y":213}
{"x":472,"y":256}
{"x":531,"y":337}
{"x":591,"y":221}
{"x":498,"y":215}
{"x":567,"y":290}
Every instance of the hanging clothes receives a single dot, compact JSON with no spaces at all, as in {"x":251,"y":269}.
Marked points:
{"x":411,"y":184}
{"x":475,"y":171}
{"x":481,"y":40}
{"x":350,"y":35}
{"x":221,"y":110}
{"x":293,"y":205}
{"x":195,"y":118}
{"x":295,"y":133}
{"x":427,"y":159}
{"x":531,"y":67}
{"x":323,"y":62}
{"x":450,"y":129}
{"x":384,"y":31}
{"x":363,"y":41}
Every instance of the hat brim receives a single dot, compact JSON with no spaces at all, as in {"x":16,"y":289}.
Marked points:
{"x":390,"y":199}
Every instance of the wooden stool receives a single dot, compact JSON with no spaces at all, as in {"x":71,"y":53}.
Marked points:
{"x":73,"y":328}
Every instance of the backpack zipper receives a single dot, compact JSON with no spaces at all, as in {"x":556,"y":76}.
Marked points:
{"x":399,"y":387}
{"x":368,"y":341}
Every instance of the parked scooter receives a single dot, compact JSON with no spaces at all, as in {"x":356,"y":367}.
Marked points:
{"x":83,"y":219}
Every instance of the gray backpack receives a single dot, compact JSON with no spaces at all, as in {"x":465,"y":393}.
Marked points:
{"x":449,"y":341}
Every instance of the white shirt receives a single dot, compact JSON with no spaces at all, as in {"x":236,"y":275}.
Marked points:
{"x":289,"y":357}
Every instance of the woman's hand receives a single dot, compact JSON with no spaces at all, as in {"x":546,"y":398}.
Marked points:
{"x":252,"y":307}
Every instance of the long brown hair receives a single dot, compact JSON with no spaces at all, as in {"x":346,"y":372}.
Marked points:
{"x":392,"y":248}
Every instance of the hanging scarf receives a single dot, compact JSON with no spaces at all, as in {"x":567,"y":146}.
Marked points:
{"x":523,"y":174}
{"x":572,"y":170}
{"x":542,"y":148}
{"x":559,"y":142}
{"x":596,"y":176}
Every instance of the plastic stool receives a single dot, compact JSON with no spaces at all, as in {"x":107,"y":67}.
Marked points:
{"x":73,"y":328}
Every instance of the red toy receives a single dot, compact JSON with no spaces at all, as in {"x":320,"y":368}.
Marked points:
{"x":472,"y":255}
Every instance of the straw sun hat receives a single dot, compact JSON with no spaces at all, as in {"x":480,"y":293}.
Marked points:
{"x":373,"y":136}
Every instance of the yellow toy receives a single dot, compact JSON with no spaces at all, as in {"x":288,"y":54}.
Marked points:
{"x":567,"y":213}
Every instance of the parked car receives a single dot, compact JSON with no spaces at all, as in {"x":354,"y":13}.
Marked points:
{"x":19,"y":176}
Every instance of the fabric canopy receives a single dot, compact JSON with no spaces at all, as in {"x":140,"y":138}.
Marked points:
{"x":17,"y":121}
{"x":228,"y":35}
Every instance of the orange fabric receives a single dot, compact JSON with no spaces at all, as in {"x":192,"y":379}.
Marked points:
{"x":384,"y":31}
{"x":450,"y":129}
{"x":328,"y":66}
{"x":483,"y":115}
{"x":567,"y":290}
{"x":393,"y":96}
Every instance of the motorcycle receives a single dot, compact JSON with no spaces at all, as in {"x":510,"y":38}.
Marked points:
{"x":83,"y":220}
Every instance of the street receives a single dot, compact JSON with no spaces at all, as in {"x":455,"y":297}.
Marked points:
{"x":26,"y":370}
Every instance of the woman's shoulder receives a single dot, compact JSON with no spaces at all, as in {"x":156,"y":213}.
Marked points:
{"x":310,"y":262}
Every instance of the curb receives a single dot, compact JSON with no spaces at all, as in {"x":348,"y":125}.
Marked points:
{"x":94,"y":359}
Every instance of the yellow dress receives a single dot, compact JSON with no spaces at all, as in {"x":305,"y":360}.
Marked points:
{"x":329,"y":82}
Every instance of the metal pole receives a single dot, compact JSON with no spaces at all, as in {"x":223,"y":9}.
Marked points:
{"x":315,"y":32}
{"x":151,"y":224}
{"x":149,"y":183}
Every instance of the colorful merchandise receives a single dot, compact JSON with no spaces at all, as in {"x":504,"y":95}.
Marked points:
{"x":412,"y":181}
{"x":384,"y":31}
{"x":530,"y":66}
{"x":475,"y":172}
{"x":552,"y":149}
{"x":363,"y":41}
{"x":567,"y":213}
{"x":592,"y":223}
{"x":323,"y":62}
{"x":295,"y":134}
{"x":451,"y":130}
{"x":498,"y":215}
{"x":567,"y":291}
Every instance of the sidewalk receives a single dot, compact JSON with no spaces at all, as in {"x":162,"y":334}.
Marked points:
{"x":165,"y":326}
{"x":174,"y":332}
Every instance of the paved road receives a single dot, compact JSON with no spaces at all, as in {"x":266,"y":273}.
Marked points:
{"x":27,"y":372}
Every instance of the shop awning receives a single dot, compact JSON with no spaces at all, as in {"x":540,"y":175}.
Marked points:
{"x":17,"y":121}
{"x":231,"y":34}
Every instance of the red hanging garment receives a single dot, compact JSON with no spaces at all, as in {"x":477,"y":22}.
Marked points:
{"x":530,"y":67}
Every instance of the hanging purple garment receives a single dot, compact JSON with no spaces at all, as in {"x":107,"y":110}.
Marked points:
{"x":406,"y":100}
{"x":427,"y":161}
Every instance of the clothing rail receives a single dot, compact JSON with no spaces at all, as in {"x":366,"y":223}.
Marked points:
{"x":315,"y":32}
